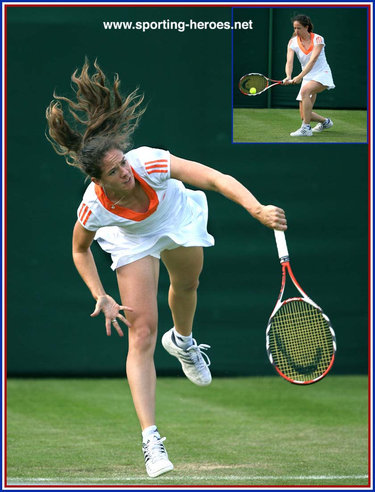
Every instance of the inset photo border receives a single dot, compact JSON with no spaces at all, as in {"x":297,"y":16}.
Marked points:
{"x":325,"y":50}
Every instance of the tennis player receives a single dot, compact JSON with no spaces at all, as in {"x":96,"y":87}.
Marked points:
{"x":139,"y":211}
{"x":315,"y":76}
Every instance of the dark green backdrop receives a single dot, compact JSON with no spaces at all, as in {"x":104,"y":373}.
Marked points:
{"x":186,"y":77}
{"x":263,"y":49}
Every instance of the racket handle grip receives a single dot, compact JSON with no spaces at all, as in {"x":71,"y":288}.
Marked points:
{"x":282,"y":248}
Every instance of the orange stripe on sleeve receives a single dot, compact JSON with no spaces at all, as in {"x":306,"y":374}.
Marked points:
{"x":156,"y":165}
{"x":87,"y":217}
{"x":157,"y":171}
{"x":82,"y":211}
{"x":154,"y":162}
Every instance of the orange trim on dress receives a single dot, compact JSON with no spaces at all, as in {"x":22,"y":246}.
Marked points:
{"x":84,"y":213}
{"x":82,"y":209}
{"x":85,"y":219}
{"x":156,"y":168}
{"x":309,"y":50}
{"x":157,"y":171}
{"x":153,"y":162}
{"x":160,"y":166}
{"x":127,"y":213}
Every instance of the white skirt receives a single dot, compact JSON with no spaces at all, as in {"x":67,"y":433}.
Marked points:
{"x":324,"y":77}
{"x":191,"y":230}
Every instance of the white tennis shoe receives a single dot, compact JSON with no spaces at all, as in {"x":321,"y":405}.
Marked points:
{"x":322,"y":126}
{"x":192,"y":359}
{"x":302,"y":132}
{"x":156,"y":457}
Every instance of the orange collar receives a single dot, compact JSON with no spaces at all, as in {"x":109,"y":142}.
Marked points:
{"x":127,"y":213}
{"x":309,"y":50}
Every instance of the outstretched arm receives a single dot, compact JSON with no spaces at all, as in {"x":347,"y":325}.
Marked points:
{"x":85,"y":264}
{"x":289,"y":66}
{"x":204,"y":177}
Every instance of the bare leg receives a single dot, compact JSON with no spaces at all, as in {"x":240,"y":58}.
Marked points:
{"x":138,"y":283}
{"x":301,"y":110}
{"x":308,"y":94}
{"x":184,"y":266}
{"x":314,"y":116}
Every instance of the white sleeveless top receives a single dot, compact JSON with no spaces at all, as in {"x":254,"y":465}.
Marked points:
{"x":321,"y":71}
{"x":176,"y":216}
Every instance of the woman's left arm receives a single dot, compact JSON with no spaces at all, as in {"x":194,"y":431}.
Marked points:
{"x":314,"y":56}
{"x":205,"y":177}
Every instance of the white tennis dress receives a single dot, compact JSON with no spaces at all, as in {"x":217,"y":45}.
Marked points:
{"x":176,"y":216}
{"x":321,"y":71}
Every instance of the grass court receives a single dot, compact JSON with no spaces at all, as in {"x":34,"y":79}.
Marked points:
{"x":258,"y":431}
{"x":275,"y":126}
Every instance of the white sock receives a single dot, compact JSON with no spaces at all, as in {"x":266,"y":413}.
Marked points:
{"x":181,"y":340}
{"x":148,"y":432}
{"x":306,"y":125}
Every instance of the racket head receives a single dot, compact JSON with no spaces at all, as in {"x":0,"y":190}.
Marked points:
{"x":255,"y":81}
{"x":300,"y":341}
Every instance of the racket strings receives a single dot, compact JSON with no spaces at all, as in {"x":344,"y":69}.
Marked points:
{"x":254,"y":81}
{"x":300,"y":341}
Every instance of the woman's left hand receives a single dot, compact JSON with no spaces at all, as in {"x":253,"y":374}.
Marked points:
{"x":296,"y":80}
{"x":272,"y":217}
{"x":111,"y":310}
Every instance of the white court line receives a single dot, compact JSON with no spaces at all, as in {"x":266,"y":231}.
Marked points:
{"x":173,"y":477}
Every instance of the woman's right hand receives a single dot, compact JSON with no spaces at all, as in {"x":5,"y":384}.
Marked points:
{"x":272,"y":217}
{"x":111,"y":311}
{"x":287,"y":81}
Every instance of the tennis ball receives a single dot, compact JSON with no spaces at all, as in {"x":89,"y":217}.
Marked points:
{"x":253,"y":90}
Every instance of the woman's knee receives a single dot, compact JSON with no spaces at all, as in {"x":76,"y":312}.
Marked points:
{"x":185,"y":285}
{"x":306,"y":93}
{"x":142,"y":335}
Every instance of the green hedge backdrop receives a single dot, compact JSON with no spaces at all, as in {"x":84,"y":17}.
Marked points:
{"x":187,"y":80}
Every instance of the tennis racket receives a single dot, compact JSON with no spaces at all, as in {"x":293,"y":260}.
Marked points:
{"x":300,"y":341}
{"x":254,"y":84}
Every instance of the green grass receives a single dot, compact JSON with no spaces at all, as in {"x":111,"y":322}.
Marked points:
{"x":241,"y":431}
{"x":275,"y":125}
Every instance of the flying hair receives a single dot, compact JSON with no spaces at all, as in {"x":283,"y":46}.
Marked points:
{"x":102,"y":119}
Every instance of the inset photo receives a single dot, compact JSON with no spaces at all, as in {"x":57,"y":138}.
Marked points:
{"x":301,"y":75}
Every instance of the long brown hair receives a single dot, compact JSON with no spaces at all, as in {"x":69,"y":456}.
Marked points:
{"x":102,"y":120}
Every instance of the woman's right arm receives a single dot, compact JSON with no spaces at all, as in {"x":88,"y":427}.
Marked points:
{"x":85,"y":264}
{"x":289,"y":65}
{"x":84,"y":260}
